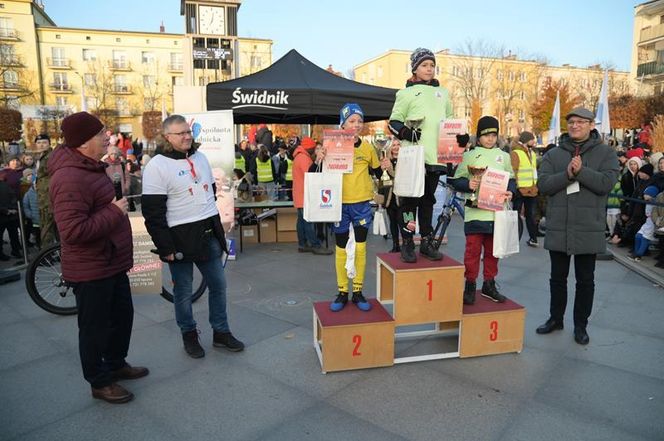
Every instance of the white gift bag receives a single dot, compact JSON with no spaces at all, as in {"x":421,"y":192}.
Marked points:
{"x":409,"y":175}
{"x":379,"y":222}
{"x":350,"y":254}
{"x":506,"y":233}
{"x":322,"y":197}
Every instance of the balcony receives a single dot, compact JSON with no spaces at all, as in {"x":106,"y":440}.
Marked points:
{"x":8,"y":34}
{"x":650,"y":68}
{"x":59,"y":63}
{"x":651,"y":33}
{"x":175,"y":67}
{"x":122,"y":65}
{"x":9,"y":86}
{"x":60,"y":87}
{"x":10,"y":61}
{"x":121,"y":89}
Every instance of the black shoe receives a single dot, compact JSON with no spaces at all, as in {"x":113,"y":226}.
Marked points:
{"x":227,"y":341}
{"x":469,"y":293}
{"x":191,"y":344}
{"x":339,"y":302}
{"x":320,"y":251}
{"x":532,"y":243}
{"x":490,"y":291}
{"x":550,"y":326}
{"x":17,"y":254}
{"x":581,"y":336}
{"x":659,"y":264}
{"x":428,"y":250}
{"x":408,"y":251}
{"x":4,"y":257}
{"x":395,"y":249}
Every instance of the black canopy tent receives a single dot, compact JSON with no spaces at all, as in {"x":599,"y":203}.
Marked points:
{"x":295,"y":91}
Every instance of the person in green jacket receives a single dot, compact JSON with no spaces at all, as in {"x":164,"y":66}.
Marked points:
{"x":478,"y":222}
{"x":422,"y":100}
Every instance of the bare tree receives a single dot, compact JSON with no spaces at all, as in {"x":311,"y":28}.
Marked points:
{"x":154,"y":86}
{"x":17,"y":82}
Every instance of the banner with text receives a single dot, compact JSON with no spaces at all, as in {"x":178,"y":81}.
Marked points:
{"x":145,"y":275}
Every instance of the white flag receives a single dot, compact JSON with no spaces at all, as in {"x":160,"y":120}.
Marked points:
{"x":602,"y":121}
{"x":554,"y":124}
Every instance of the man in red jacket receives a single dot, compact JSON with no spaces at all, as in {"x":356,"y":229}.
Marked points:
{"x":97,"y":252}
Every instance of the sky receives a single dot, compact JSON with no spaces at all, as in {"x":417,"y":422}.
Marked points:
{"x":346,"y":33}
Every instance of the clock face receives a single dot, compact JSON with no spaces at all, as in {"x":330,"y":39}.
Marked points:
{"x":212,"y":20}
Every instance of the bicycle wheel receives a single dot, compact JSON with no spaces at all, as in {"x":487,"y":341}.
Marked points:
{"x":167,"y":284}
{"x":45,"y":285}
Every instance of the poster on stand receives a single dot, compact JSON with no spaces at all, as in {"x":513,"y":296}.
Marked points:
{"x":448,"y":149}
{"x":339,"y":150}
{"x":493,"y":186}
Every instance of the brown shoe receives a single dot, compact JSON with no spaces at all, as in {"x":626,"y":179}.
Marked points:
{"x":129,"y":372}
{"x":113,"y":393}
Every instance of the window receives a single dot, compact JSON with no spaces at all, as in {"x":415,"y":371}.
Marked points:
{"x":10,"y":79}
{"x":6,"y":27}
{"x":147,"y":57}
{"x":12,"y":102}
{"x":256,"y":62}
{"x":61,"y":101}
{"x":60,"y":80}
{"x":89,"y":55}
{"x":120,"y":82}
{"x":88,"y":38}
{"x":90,"y":79}
{"x":7,"y":56}
{"x":91,"y":102}
{"x":58,"y":57}
{"x":177,"y":81}
{"x":522,"y":77}
{"x":510,"y":75}
{"x":522,"y":95}
{"x":379,"y":74}
{"x":500,"y":75}
{"x":437,"y":70}
{"x":522,"y":115}
{"x":122,"y":106}
{"x":149,"y":81}
{"x":364,"y":77}
{"x":176,"y":61}
{"x":120,"y":60}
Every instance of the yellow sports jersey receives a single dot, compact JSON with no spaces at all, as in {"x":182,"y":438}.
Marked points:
{"x":357,"y":186}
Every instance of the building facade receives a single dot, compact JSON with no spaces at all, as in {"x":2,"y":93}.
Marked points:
{"x":648,"y":48}
{"x":47,"y":70}
{"x":505,"y":86}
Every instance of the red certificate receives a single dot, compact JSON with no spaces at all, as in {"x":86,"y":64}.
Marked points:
{"x":448,"y":150}
{"x":492,"y":189}
{"x":339,"y":150}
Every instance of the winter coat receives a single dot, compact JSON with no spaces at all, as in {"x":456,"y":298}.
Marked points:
{"x":422,"y":100}
{"x":31,"y":206}
{"x":301,"y":165}
{"x":575,"y":223}
{"x":95,"y":235}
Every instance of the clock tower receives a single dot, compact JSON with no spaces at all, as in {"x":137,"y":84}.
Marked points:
{"x":211,"y":41}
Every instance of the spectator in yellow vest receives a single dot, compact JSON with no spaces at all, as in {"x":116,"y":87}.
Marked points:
{"x":265,"y":172}
{"x":524,"y":164}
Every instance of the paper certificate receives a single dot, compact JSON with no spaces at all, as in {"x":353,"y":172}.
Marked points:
{"x":448,"y":150}
{"x":339,"y":148}
{"x":492,"y":189}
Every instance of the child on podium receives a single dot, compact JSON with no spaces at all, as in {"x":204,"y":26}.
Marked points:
{"x":478,"y":225}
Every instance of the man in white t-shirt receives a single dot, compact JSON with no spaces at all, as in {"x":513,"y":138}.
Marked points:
{"x":182,"y":219}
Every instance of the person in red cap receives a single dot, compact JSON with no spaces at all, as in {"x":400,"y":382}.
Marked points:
{"x":97,"y":252}
{"x":307,"y":240}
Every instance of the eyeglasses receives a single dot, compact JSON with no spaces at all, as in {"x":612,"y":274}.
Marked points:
{"x":188,"y":132}
{"x":578,"y":122}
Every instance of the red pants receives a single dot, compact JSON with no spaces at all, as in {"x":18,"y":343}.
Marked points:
{"x":471,"y":258}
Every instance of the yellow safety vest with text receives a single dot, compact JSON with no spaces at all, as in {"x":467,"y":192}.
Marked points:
{"x":264,"y":170}
{"x":240,"y":163}
{"x":289,"y":172}
{"x":526,"y":176}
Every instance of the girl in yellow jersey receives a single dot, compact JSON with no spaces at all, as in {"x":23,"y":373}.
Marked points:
{"x":357,"y":191}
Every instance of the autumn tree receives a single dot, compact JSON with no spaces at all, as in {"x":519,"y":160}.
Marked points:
{"x":542,"y":109}
{"x":10,"y":125}
{"x":627,"y":111}
{"x":151,"y":124}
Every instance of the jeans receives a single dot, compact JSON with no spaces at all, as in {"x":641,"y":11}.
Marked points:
{"x":306,"y":232}
{"x":641,"y":245}
{"x":584,"y":270}
{"x":529,"y":204}
{"x":105,"y":319}
{"x":213,"y":273}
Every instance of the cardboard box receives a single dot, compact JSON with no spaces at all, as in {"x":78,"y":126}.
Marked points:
{"x":250,"y":234}
{"x":286,"y":236}
{"x":286,"y":219}
{"x":268,"y":230}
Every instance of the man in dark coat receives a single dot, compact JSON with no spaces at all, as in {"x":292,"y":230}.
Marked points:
{"x":97,"y":252}
{"x":577,"y":177}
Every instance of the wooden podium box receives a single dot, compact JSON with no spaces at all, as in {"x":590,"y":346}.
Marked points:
{"x":422,"y":292}
{"x":491,"y":328}
{"x":353,"y":339}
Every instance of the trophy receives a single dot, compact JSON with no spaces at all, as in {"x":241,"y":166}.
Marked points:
{"x":414,"y":123}
{"x":382,"y":144}
{"x":476,"y":175}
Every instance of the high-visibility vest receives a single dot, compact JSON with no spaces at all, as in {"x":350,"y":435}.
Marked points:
{"x":264,"y":170}
{"x":526,"y":176}
{"x":289,"y":172}
{"x":240,"y":163}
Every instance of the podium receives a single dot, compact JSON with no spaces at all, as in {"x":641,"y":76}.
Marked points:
{"x":353,"y":339}
{"x":428,"y":294}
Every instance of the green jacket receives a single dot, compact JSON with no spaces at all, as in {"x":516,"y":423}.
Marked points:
{"x":422,"y":100}
{"x":575,"y":223}
{"x":482,"y":157}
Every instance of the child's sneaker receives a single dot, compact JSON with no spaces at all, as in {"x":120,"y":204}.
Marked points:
{"x":490,"y":291}
{"x":360,"y":301}
{"x":339,"y":302}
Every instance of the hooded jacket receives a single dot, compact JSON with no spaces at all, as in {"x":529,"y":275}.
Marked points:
{"x":95,"y":235}
{"x":575,"y":222}
{"x":301,"y":163}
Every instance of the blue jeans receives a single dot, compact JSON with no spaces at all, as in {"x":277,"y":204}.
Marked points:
{"x":213,"y":273}
{"x":641,"y":245}
{"x":306,"y":233}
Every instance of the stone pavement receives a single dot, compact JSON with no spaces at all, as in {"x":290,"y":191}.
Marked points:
{"x":612,"y":389}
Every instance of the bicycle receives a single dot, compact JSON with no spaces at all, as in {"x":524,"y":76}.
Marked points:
{"x":47,"y":288}
{"x":453,"y":202}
